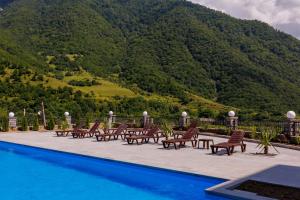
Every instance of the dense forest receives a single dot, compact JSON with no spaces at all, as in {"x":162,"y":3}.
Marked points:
{"x":172,"y":48}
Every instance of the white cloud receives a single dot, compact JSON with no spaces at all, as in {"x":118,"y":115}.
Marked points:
{"x":282,"y":14}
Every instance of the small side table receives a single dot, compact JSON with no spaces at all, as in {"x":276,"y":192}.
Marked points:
{"x":205,"y":143}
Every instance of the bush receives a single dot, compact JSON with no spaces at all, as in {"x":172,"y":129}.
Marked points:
{"x":35,"y":126}
{"x":87,"y":122}
{"x":83,"y":83}
{"x":64,"y":125}
{"x":24,"y":124}
{"x":69,"y":73}
{"x":295,"y":140}
{"x":51,"y":122}
{"x":4,"y":126}
{"x":59,"y":76}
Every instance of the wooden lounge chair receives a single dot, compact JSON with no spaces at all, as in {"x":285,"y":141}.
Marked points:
{"x":65,"y":133}
{"x":80,"y":133}
{"x":187,"y":137}
{"x":236,"y":139}
{"x":144,"y":138}
{"x":137,"y":131}
{"x":192,"y":125}
{"x":112,"y":133}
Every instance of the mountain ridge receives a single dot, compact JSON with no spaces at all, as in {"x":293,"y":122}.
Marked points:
{"x":167,"y":47}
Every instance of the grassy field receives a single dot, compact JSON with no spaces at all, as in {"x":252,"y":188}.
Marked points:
{"x":103,"y":90}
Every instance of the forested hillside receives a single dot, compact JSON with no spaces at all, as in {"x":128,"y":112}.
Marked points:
{"x":170,"y":48}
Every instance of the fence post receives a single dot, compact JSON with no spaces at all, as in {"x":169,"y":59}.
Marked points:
{"x":232,"y":120}
{"x":110,"y":119}
{"x":145,"y":118}
{"x":68,"y":119}
{"x":12,"y":120}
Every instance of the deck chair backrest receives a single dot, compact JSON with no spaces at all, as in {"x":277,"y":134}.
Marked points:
{"x":147,"y":127}
{"x":193,"y":124}
{"x":121,"y":128}
{"x":189,"y":133}
{"x":236,"y":137}
{"x":152,"y":131}
{"x":95,"y":126}
{"x":78,"y":126}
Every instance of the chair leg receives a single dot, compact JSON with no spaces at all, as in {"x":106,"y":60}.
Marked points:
{"x":123,"y":137}
{"x":194,"y":143}
{"x":212,"y":149}
{"x":129,"y":141}
{"x":244,"y":147}
{"x":228,"y":150}
{"x":166,"y":144}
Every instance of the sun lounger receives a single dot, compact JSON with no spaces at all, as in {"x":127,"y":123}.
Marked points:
{"x":112,"y":133}
{"x":187,"y":137}
{"x":178,"y":134}
{"x":65,"y":133}
{"x":236,"y":139}
{"x":137,"y":131}
{"x":80,"y":133}
{"x":144,"y":138}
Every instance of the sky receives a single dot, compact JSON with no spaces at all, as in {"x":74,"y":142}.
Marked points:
{"x":281,"y":14}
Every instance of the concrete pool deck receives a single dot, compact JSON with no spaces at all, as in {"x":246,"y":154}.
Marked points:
{"x":191,"y":160}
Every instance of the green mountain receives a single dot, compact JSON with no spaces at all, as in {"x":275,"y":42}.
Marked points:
{"x":170,"y":48}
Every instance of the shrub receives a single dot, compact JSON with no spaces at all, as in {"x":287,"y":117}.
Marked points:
{"x":4,"y":126}
{"x":59,"y":76}
{"x":64,"y":125}
{"x":83,"y":83}
{"x":253,"y":130}
{"x":87,"y":122}
{"x":68,"y":73}
{"x":35,"y":126}
{"x":24,"y":124}
{"x":51,"y":122}
{"x":295,"y":140}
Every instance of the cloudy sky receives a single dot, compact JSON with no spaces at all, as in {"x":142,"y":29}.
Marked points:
{"x":282,"y":14}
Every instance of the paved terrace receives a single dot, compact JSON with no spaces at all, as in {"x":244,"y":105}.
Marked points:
{"x":197,"y":161}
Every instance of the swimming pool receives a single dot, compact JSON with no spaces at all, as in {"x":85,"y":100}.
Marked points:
{"x":30,"y":173}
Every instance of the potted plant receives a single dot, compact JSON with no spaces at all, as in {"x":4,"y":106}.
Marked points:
{"x":265,"y":139}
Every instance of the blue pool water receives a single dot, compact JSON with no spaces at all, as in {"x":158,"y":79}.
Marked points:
{"x":28,"y":173}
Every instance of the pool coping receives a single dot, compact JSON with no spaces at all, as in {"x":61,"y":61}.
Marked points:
{"x":119,"y":161}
